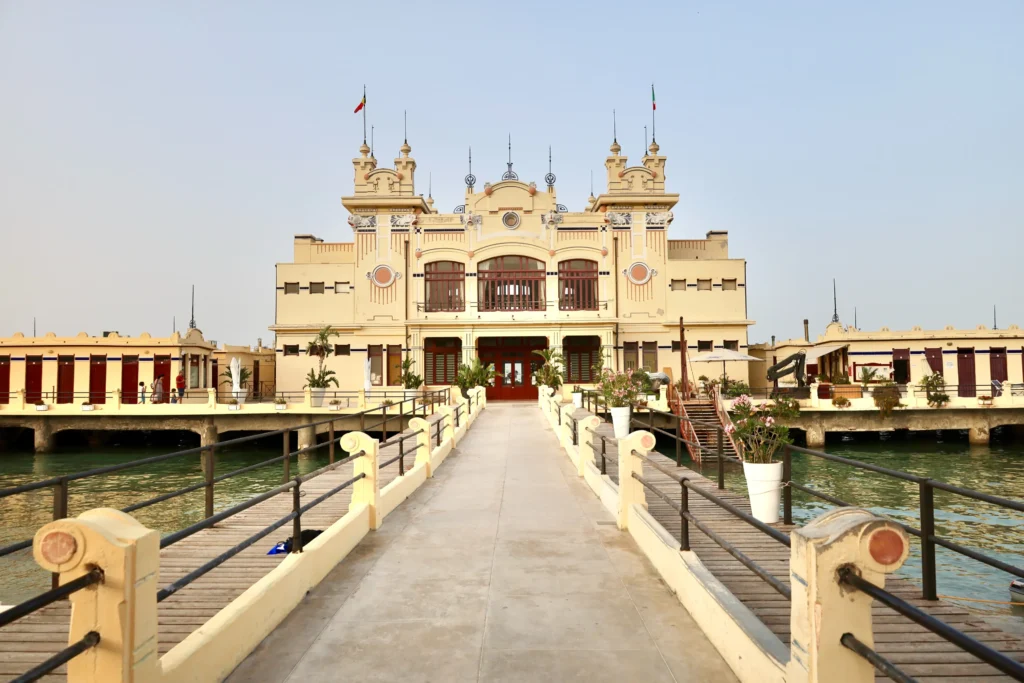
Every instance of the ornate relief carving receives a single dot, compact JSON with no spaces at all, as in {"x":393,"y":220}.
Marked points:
{"x":469,"y":218}
{"x":403,"y":220}
{"x":362,"y":221}
{"x":550,"y":218}
{"x":620,"y":219}
{"x":657,"y":218}
{"x":383,"y":276}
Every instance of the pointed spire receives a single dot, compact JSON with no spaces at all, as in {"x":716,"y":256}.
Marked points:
{"x":470,"y":178}
{"x":645,"y":140}
{"x":591,"y":183}
{"x":509,"y":174}
{"x":835,"y":303}
{"x":371,"y":143}
{"x":405,"y":125}
{"x":430,"y":184}
{"x":615,"y":148}
{"x":550,"y":177}
{"x":192,"y":321}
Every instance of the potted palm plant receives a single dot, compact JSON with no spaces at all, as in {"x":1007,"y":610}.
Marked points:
{"x":475,"y":374}
{"x":238,"y":377}
{"x":550,"y":373}
{"x":410,"y":380}
{"x":619,"y":392}
{"x":321,"y":379}
{"x":759,"y":434}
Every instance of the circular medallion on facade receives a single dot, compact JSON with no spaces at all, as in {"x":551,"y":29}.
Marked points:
{"x":510,"y":220}
{"x":639,"y":273}
{"x":382,"y":276}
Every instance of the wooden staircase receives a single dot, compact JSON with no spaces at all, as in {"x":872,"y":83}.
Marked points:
{"x":704,"y":432}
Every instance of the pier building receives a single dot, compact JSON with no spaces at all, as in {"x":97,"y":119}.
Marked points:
{"x":509,"y":271}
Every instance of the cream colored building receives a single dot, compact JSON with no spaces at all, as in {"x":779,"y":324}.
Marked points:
{"x":968,"y":359}
{"x":259,"y":360}
{"x":509,"y":271}
{"x":84,"y":369}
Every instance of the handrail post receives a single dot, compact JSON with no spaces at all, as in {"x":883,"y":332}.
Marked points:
{"x":787,"y":490}
{"x":366,"y":491}
{"x":330,"y":446}
{"x":684,"y":506}
{"x":929,"y":587}
{"x":297,"y":522}
{"x":679,"y":441}
{"x":362,"y":420}
{"x":423,"y":439}
{"x":60,"y":511}
{"x":122,"y":607}
{"x":632,"y":491}
{"x":721,"y":460}
{"x":286,"y":442}
{"x":384,"y":421}
{"x":401,"y":457}
{"x":822,"y":610}
{"x":209,"y":456}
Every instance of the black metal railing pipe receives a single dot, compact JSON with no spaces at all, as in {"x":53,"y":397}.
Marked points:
{"x":883,"y":665}
{"x":12,"y":614}
{"x":89,"y":640}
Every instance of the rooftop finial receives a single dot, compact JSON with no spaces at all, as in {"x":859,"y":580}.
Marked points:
{"x":550,"y":177}
{"x":192,"y":321}
{"x":430,"y":184}
{"x":645,"y":140}
{"x":405,"y":126}
{"x":470,"y":178}
{"x":835,"y":303}
{"x":371,"y":142}
{"x":509,"y":174}
{"x":615,"y":148}
{"x":654,"y":108}
{"x":591,"y":183}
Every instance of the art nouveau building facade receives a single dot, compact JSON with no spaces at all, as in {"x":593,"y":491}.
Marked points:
{"x":508,"y":272}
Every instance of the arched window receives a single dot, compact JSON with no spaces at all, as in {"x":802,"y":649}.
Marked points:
{"x":511,"y":283}
{"x":577,"y":285}
{"x":446,"y":286}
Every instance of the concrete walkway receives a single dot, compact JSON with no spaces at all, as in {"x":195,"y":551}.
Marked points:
{"x":503,"y":567}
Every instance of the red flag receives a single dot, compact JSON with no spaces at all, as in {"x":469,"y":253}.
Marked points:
{"x":362,"y":103}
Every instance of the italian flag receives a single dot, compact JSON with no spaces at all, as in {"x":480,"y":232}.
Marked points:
{"x":362,"y":103}
{"x":654,"y":102}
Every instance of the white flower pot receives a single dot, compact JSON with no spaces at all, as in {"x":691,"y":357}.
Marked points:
{"x":280,"y":406}
{"x":316,"y":397}
{"x":577,"y":400}
{"x":239,"y":396}
{"x":620,"y":421}
{"x":334,"y":406}
{"x":88,"y":408}
{"x":42,"y":407}
{"x":764,"y":487}
{"x":234,"y":406}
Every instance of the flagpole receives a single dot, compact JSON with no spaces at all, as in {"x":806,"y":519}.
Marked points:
{"x":654,"y":109}
{"x":364,"y":113}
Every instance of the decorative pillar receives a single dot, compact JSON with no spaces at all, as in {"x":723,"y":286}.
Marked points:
{"x":424,"y":445}
{"x":630,"y":490}
{"x":366,"y":490}
{"x":587,"y":426}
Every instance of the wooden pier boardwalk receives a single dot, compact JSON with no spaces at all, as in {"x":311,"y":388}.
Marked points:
{"x":914,"y":649}
{"x":35,"y":638}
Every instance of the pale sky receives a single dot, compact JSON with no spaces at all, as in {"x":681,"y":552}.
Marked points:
{"x":145,"y":147}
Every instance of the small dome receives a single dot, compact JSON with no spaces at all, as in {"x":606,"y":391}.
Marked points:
{"x":653,"y":149}
{"x":616,"y":147}
{"x":405,"y":148}
{"x":364,"y":149}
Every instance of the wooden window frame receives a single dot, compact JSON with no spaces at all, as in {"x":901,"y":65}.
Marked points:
{"x":316,"y":288}
{"x":444,"y":291}
{"x":649,"y":353}
{"x":577,"y":285}
{"x":290,"y":349}
{"x":441,"y":357}
{"x":726,"y":285}
{"x":703,"y":285}
{"x":376,"y":351}
{"x":517,"y":285}
{"x":581,"y":354}
{"x":291,"y":288}
{"x":630,"y":352}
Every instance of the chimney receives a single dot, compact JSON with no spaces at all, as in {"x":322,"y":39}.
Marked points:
{"x":259,"y":342}
{"x":807,"y":334}
{"x":773,"y":341}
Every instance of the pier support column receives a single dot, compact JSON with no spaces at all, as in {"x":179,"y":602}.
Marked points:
{"x":208,"y":434}
{"x":307,"y":437}
{"x":815,"y":436}
{"x":978,"y":435}
{"x":43,"y":436}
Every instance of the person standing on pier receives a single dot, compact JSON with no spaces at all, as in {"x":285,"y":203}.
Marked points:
{"x":179,"y":382}
{"x":142,"y":392}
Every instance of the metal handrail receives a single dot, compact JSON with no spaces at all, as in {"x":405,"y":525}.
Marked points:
{"x":850,"y":642}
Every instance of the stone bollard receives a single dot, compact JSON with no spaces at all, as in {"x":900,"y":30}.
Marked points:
{"x":211,"y":398}
{"x":815,"y":401}
{"x":307,"y":397}
{"x":424,"y":444}
{"x":361,"y":399}
{"x":587,"y":427}
{"x":823,"y":610}
{"x":367,"y":489}
{"x":630,"y":490}
{"x":122,"y":608}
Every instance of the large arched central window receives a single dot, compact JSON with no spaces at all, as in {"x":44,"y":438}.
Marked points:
{"x":577,"y":285}
{"x":446,"y":286}
{"x":511,"y":283}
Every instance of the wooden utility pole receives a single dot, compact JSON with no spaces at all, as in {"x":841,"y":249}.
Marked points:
{"x":685,"y":393}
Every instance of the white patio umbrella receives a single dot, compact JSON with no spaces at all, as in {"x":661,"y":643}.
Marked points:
{"x":366,"y":375}
{"x":723,"y":355}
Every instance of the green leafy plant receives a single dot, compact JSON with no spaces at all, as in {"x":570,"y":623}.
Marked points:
{"x":550,"y":373}
{"x":321,"y":348}
{"x":387,"y":403}
{"x":757,"y":430}
{"x":985,"y":398}
{"x":280,"y":401}
{"x":737,"y":388}
{"x":577,"y":389}
{"x":410,"y":380}
{"x":841,"y":377}
{"x":643,"y":380}
{"x":233,"y":402}
{"x":934,"y":386}
{"x":868,"y":375}
{"x":244,"y":374}
{"x":476,"y":374}
{"x":598,"y":367}
{"x":841,"y":402}
{"x":618,"y":389}
{"x":334,"y":402}
{"x":887,"y":398}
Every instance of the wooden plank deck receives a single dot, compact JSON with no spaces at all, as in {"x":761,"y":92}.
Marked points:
{"x":914,"y":649}
{"x":33,"y":639}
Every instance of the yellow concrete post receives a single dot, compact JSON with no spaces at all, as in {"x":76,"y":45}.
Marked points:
{"x":423,"y":443}
{"x":367,"y":489}
{"x":542,"y":395}
{"x":822,"y":610}
{"x":361,"y":400}
{"x":587,"y":427}
{"x":630,"y":490}
{"x":307,"y":397}
{"x":121,"y":609}
{"x":19,"y":400}
{"x":211,"y":398}
{"x":115,"y":400}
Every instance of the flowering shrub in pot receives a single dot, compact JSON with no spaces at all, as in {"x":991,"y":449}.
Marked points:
{"x":759,"y":435}
{"x":619,"y":391}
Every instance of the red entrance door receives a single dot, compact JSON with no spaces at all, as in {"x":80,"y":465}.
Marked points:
{"x":162,"y":368}
{"x":997,"y":365}
{"x":130,"y":380}
{"x":5,"y":379}
{"x":33,"y":379}
{"x":98,"y":379}
{"x":514,"y":361}
{"x":965,"y":368}
{"x":65,"y":379}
